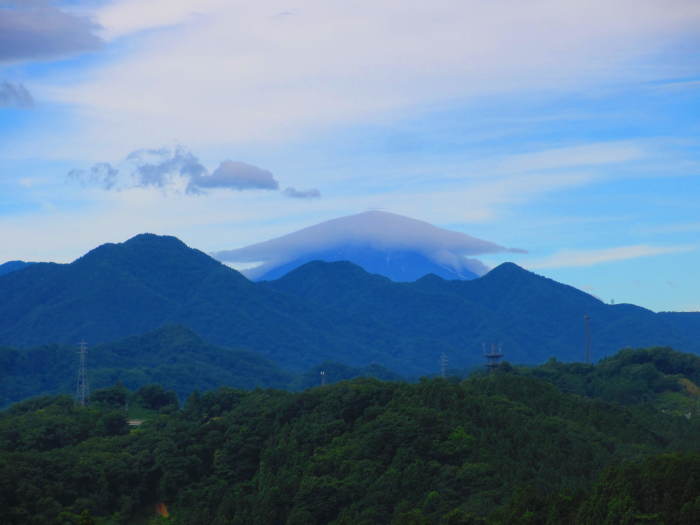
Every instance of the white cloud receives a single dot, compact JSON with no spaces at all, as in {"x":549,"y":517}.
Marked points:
{"x":375,"y":229}
{"x":232,"y":219}
{"x":682,"y":227}
{"x":577,"y":258}
{"x":676,"y":85}
{"x":100,"y":217}
{"x":232,"y":71}
{"x":125,"y":17}
{"x":586,"y":155}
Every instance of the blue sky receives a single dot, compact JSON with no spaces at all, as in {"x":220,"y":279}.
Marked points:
{"x":569,"y":129}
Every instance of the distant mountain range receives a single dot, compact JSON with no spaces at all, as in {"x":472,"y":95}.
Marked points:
{"x":388,"y":244}
{"x":321,"y":311}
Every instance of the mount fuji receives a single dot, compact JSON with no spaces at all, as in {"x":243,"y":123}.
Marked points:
{"x":398,"y":247}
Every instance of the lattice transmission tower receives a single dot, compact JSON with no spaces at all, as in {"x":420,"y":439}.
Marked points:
{"x":443,"y":365}
{"x":493,"y":356}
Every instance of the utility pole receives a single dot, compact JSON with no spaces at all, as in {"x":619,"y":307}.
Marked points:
{"x":82,"y":391}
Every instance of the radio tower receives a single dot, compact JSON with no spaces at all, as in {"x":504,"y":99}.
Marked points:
{"x":493,"y":356}
{"x":587,"y":339}
{"x":82,"y":390}
{"x":443,"y":365}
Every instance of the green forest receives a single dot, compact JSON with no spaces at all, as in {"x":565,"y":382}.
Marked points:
{"x":612,"y":443}
{"x":172,"y":356}
{"x":321,"y":311}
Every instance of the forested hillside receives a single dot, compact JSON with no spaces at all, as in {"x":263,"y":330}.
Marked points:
{"x":661,"y":377}
{"x":172,"y":356}
{"x":321,"y":311}
{"x":500,"y":448}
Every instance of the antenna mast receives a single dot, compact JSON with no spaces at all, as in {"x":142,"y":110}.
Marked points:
{"x":82,"y":391}
{"x":493,"y":356}
{"x":443,"y":365}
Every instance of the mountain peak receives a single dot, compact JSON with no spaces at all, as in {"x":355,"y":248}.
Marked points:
{"x":337,"y":271}
{"x":148,"y":250}
{"x":509,"y":268}
{"x":153,"y":238}
{"x":399,"y":247}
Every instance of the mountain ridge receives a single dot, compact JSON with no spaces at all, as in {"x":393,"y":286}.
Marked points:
{"x":321,"y":311}
{"x":13,"y":266}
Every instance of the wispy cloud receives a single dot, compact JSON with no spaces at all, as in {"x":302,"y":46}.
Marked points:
{"x":682,"y":227}
{"x":585,"y":156}
{"x":676,"y":85}
{"x":336,"y":64}
{"x":15,"y":96}
{"x":31,"y":30}
{"x":102,"y":175}
{"x":579,"y":258}
{"x":126,"y":17}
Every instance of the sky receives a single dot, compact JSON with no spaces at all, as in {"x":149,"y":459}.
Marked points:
{"x":566,"y":129}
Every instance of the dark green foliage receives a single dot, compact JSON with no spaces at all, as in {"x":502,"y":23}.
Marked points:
{"x":335,"y":372}
{"x":172,"y":356}
{"x":498,"y":448}
{"x":628,"y":377}
{"x":155,"y":397}
{"x":663,"y":489}
{"x":44,"y":424}
{"x":318,"y":312}
{"x":114,"y":397}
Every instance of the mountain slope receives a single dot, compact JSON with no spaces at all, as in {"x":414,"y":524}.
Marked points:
{"x":532,"y":316}
{"x":321,"y":311}
{"x":125,"y":289}
{"x":171,"y":356}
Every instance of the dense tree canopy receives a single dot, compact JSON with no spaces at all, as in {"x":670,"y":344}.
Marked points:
{"x":498,"y":448}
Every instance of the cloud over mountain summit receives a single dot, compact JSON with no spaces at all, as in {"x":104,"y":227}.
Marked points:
{"x":393,"y":245}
